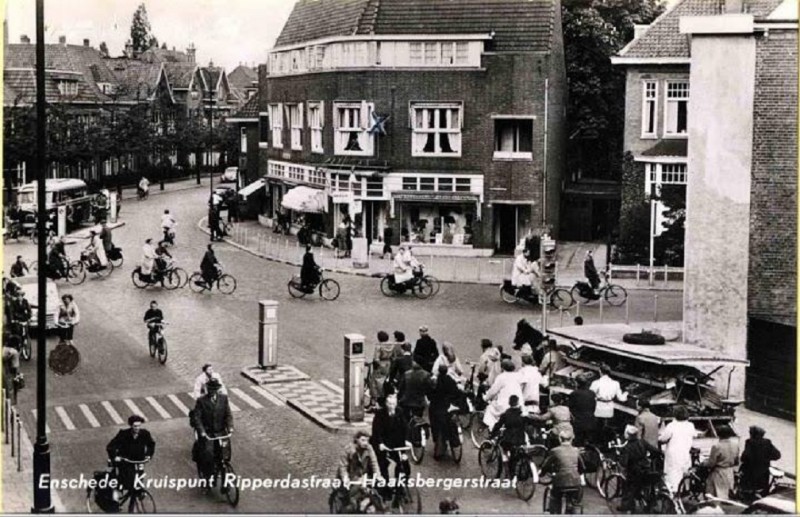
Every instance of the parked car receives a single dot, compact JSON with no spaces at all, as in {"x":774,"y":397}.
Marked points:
{"x":30,"y":286}
{"x":778,"y":503}
{"x":230,"y":174}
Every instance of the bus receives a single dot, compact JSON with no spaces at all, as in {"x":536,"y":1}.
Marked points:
{"x":70,"y":193}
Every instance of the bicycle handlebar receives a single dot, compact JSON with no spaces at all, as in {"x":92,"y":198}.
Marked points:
{"x":218,"y":437}
{"x":397,"y":449}
{"x":135,"y":462}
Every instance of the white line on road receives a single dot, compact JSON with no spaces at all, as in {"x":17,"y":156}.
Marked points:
{"x":234,"y":407}
{"x":191,"y":394}
{"x":46,"y":427}
{"x":134,"y":408}
{"x":65,"y":419}
{"x":247,"y":398}
{"x":159,"y":409}
{"x":180,"y":405}
{"x":334,"y":387}
{"x":269,"y":396}
{"x":112,"y":412}
{"x":89,"y":415}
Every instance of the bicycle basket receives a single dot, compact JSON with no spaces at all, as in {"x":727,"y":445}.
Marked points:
{"x":104,"y":493}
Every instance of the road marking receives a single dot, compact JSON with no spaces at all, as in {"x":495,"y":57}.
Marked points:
{"x":89,"y":415}
{"x":334,"y":387}
{"x":269,"y":396}
{"x":159,"y":409}
{"x":180,"y":405}
{"x":134,"y":408}
{"x":46,"y":427}
{"x":112,"y":412}
{"x":191,"y":394}
{"x":247,"y":398}
{"x":234,"y":407}
{"x":65,"y":419}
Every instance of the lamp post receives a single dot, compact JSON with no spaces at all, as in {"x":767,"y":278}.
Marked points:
{"x":41,"y":450}
{"x":210,"y":139}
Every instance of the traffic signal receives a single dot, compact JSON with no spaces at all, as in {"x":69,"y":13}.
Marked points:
{"x":548,"y":267}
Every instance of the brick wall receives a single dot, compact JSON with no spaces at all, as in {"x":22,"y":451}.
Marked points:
{"x":772,"y":285}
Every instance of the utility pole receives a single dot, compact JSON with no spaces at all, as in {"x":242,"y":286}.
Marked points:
{"x":210,"y":138}
{"x":42,"y":502}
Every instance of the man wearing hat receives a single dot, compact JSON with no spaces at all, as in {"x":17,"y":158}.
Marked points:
{"x":564,"y":463}
{"x":636,"y":460}
{"x":212,"y":417}
{"x":425,"y":351}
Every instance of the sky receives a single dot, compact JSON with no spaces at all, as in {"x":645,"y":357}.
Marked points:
{"x":227,"y":32}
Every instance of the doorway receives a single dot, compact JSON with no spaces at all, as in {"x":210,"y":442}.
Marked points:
{"x":511,"y":223}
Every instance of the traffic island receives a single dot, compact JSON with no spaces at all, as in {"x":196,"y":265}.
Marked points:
{"x":323,"y":405}
{"x":278,"y":374}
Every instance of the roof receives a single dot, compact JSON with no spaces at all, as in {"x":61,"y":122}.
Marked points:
{"x":608,"y":338}
{"x":210,"y":76}
{"x":248,"y":111}
{"x":669,"y":147}
{"x":162,"y":55}
{"x":664,"y":40}
{"x":179,"y":74}
{"x":137,"y":80}
{"x":519,"y":25}
{"x":242,"y":77}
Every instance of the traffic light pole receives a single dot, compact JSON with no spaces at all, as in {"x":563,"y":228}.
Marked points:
{"x":542,"y":294}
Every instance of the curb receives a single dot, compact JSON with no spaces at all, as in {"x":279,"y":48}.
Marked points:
{"x":165,"y":191}
{"x":322,"y":422}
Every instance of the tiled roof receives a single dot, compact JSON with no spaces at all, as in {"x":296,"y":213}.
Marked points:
{"x":162,"y":55}
{"x":664,"y":40}
{"x":518,"y":24}
{"x":249,"y":110}
{"x":137,"y":79}
{"x":211,"y":76}
{"x":242,"y":77}
{"x":179,"y":74}
{"x":671,"y":147}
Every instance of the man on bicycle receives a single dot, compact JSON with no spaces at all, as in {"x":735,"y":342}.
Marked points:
{"x":209,"y":267}
{"x":161,"y":263}
{"x":57,"y":261}
{"x":143,"y":187}
{"x":565,"y":464}
{"x":201,"y":382}
{"x":211,"y":418}
{"x":309,"y":271}
{"x":636,"y":460}
{"x":134,"y":444}
{"x":19,"y":267}
{"x":510,"y":430}
{"x":357,"y":463}
{"x":21,"y":308}
{"x":167,"y":226}
{"x":152,"y":318}
{"x":590,"y":271}
{"x":389,"y":430}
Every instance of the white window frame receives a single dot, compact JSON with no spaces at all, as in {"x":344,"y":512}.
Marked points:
{"x":646,"y":100}
{"x":668,"y":133}
{"x":67,"y":88}
{"x":655,"y":173}
{"x":295,"y":118}
{"x":418,"y":133}
{"x":316,"y":123}
{"x":341,"y":132}
{"x":276,"y":123}
{"x":513,"y":155}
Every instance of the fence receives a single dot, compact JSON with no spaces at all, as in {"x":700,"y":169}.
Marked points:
{"x":12,"y":423}
{"x":638,"y":271}
{"x":649,"y":308}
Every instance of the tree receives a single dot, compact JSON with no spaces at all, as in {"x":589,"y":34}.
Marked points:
{"x":669,"y":245}
{"x":104,"y":48}
{"x":141,"y":37}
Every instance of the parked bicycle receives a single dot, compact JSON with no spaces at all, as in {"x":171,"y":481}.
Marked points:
{"x":157,"y":342}
{"x":328,"y":288}
{"x":112,"y":500}
{"x":225,"y":283}
{"x":421,"y":285}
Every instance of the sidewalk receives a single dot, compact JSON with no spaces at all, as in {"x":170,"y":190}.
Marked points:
{"x":175,"y":186}
{"x":261,"y":241}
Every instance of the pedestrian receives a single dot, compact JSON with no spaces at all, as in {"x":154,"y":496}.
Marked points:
{"x":380,"y":366}
{"x":505,"y":385}
{"x":387,"y":242}
{"x":444,"y":394}
{"x":401,"y":364}
{"x":647,"y":423}
{"x":213,"y":223}
{"x":449,"y":359}
{"x":677,"y":437}
{"x":399,"y":339}
{"x":68,"y":316}
{"x":531,"y":380}
{"x":425,"y":351}
{"x":564,"y":462}
{"x":758,"y":453}
{"x":415,"y":385}
{"x":582,"y":405}
{"x":606,"y":390}
{"x":721,"y":461}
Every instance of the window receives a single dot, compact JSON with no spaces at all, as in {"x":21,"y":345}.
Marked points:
{"x":436,"y":129}
{"x":410,"y":183}
{"x":513,"y":139}
{"x":106,"y":88}
{"x":677,"y":108}
{"x":426,"y":183}
{"x":665,"y":174}
{"x":649,"y":103}
{"x":68,"y":88}
{"x":445,"y":185}
{"x":263,"y":130}
{"x":439,"y":53}
{"x":351,"y":124}
{"x":415,"y":53}
{"x":243,"y":139}
{"x":296,"y":124}
{"x":276,"y":118}
{"x":315,"y":124}
{"x":463,"y":185}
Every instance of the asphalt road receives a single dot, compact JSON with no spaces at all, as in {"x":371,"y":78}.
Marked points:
{"x":271,"y":440}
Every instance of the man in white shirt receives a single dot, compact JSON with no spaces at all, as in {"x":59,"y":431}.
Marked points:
{"x":606,"y":390}
{"x":522,"y":276}
{"x":202,"y":379}
{"x":144,"y":184}
{"x":402,"y":267}
{"x":531,"y":379}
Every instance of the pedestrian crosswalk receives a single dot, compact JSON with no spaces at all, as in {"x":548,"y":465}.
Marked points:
{"x":107,"y":413}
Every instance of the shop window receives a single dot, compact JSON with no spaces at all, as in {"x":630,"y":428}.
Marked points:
{"x":677,"y":108}
{"x":463,"y":185}
{"x":513,"y":139}
{"x":410,"y":183}
{"x":351,"y":124}
{"x":263,"y":130}
{"x":445,"y":185}
{"x":436,"y":129}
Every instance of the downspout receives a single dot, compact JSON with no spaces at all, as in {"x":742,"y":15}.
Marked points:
{"x":544,"y":169}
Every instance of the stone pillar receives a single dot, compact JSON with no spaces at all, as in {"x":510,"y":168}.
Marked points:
{"x":268,"y":334}
{"x":354,"y":377}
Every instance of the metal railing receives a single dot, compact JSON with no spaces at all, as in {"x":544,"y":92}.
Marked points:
{"x":602,"y":312}
{"x":642,"y":271}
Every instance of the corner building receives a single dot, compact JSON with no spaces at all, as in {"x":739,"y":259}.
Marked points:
{"x":434,"y":122}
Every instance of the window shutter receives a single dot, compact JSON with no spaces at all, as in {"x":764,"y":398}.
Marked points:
{"x":300,"y":113}
{"x":321,"y":114}
{"x":364,"y":115}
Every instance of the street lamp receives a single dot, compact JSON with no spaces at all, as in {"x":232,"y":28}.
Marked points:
{"x":210,"y":137}
{"x":41,"y":450}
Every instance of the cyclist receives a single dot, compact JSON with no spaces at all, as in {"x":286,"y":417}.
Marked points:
{"x":211,"y":418}
{"x":389,"y":428}
{"x":590,"y":271}
{"x":161,"y":263}
{"x":310,"y":271}
{"x":559,"y":414}
{"x":357,"y":462}
{"x":152,"y":317}
{"x":209,"y":268}
{"x":636,"y":460}
{"x":510,"y":430}
{"x":97,"y":254}
{"x":19,"y":268}
{"x":444,"y":394}
{"x":414,"y":385}
{"x":143,"y":187}
{"x":506,"y":384}
{"x":105,"y":237}
{"x":21,"y":308}
{"x":522,"y":276}
{"x":201,"y":382}
{"x":148,"y":258}
{"x":565,"y":464}
{"x":57,"y":261}
{"x":135,"y":444}
{"x":11,"y":346}
{"x":167,"y":227}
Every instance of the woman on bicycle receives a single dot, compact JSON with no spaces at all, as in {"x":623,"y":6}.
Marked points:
{"x":134,"y":444}
{"x":444,"y":394}
{"x":309,"y":271}
{"x":721,"y":462}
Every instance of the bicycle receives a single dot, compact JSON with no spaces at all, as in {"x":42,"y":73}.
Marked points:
{"x":170,"y":278}
{"x":418,"y":430}
{"x":328,"y":288}
{"x":139,"y":499}
{"x":571,"y":497}
{"x":614,"y":294}
{"x":223,"y":470}
{"x":654,"y":498}
{"x":478,"y":431}
{"x":404,"y":499}
{"x":558,"y":298}
{"x":92,"y":266}
{"x":523,"y":463}
{"x":114,"y":256}
{"x":76,"y":274}
{"x":370,"y":502}
{"x":225,"y":283}
{"x":608,"y":464}
{"x":421,"y":285}
{"x":454,"y":434}
{"x":157,"y":343}
{"x":22,"y":329}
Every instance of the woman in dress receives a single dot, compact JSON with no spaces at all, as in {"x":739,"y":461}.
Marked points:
{"x":381,"y":362}
{"x":68,"y":317}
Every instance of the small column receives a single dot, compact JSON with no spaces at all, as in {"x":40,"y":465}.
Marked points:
{"x":267,"y":334}
{"x":61,"y":221}
{"x":112,"y":210}
{"x":354,"y":377}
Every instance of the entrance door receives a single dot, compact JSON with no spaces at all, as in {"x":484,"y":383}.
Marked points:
{"x":510,"y":225}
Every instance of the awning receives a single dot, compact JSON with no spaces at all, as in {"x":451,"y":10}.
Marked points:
{"x":305,"y":199}
{"x":251,"y":188}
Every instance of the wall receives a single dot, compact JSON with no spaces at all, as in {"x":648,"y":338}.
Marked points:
{"x":718,"y":196}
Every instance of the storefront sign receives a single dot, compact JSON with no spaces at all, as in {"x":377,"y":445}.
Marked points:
{"x":339,"y":198}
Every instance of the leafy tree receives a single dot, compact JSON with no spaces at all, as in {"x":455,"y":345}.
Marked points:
{"x":141,"y":37}
{"x":669,"y":245}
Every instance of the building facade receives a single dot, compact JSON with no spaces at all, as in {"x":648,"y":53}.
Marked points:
{"x":434,"y":122}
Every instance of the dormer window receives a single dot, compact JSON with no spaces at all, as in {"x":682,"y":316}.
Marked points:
{"x":106,"y":88}
{"x":67,"y":88}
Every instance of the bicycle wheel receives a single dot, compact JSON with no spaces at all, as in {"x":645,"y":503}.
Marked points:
{"x":172,"y":280}
{"x":25,"y":346}
{"x":546,"y":500}
{"x":456,"y":439}
{"x":594,"y":457}
{"x":507,"y":297}
{"x":196,"y":283}
{"x":144,"y":502}
{"x":578,"y":296}
{"x":433,"y":281}
{"x":182,"y":275}
{"x":616,"y":295}
{"x":151,"y":345}
{"x":479,"y":432}
{"x":294,"y":288}
{"x":526,"y":483}
{"x":138,"y":281}
{"x":118,"y":261}
{"x":226,"y":284}
{"x":418,"y":442}
{"x":424,"y":289}
{"x":162,"y":350}
{"x":408,"y":500}
{"x":490,"y":459}
{"x":76,"y":274}
{"x":232,"y":493}
{"x":91,"y":505}
{"x":561,"y":299}
{"x":106,"y":271}
{"x":329,"y":289}
{"x":385,"y":287}
{"x":612,"y":488}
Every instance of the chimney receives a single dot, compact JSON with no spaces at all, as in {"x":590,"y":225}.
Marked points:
{"x":128,"y":49}
{"x":24,"y":39}
{"x":86,"y":43}
{"x":734,"y":6}
{"x":190,"y":52}
{"x":62,"y":40}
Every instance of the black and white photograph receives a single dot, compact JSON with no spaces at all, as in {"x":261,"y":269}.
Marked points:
{"x":399,"y":256}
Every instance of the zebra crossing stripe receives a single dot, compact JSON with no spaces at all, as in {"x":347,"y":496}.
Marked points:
{"x":112,"y":412}
{"x":180,"y":405}
{"x":247,"y":398}
{"x":269,"y":396}
{"x":87,"y":413}
{"x":234,"y":407}
{"x":332,"y":386}
{"x":134,"y":408}
{"x":46,"y":427}
{"x":65,"y":419}
{"x":159,"y":408}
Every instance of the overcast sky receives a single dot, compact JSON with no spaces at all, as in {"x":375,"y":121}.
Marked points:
{"x":228,"y":32}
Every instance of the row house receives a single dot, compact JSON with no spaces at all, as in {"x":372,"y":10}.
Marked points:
{"x":434,"y":122}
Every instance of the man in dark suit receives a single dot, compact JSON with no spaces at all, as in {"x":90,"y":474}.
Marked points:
{"x":389,"y":430}
{"x":135,"y":444}
{"x":582,"y":403}
{"x":413,"y":388}
{"x":564,"y":462}
{"x":401,"y":364}
{"x":425,"y":351}
{"x":212,"y":417}
{"x":513,"y":435}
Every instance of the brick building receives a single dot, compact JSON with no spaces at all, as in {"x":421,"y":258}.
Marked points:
{"x":441,"y":120}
